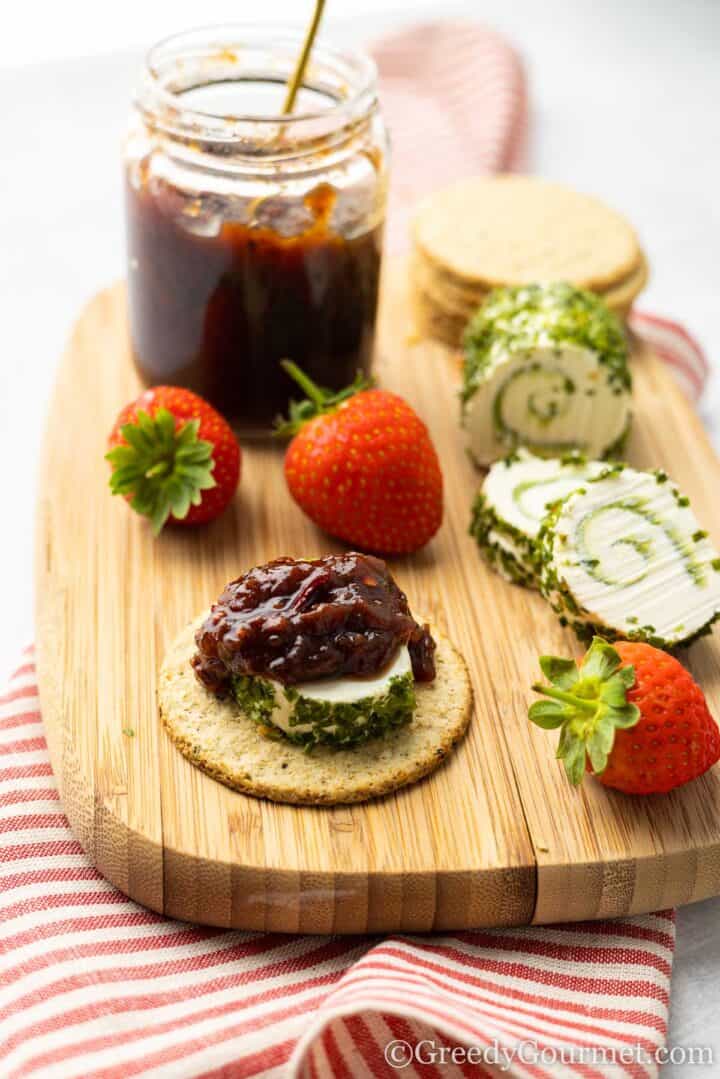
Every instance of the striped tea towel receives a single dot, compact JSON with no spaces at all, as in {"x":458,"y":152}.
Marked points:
{"x":429,"y":76}
{"x":92,"y":985}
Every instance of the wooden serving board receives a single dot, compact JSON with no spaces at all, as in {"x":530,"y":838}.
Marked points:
{"x":495,"y":837}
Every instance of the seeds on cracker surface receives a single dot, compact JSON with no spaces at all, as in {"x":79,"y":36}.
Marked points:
{"x":508,"y":230}
{"x":514,"y":499}
{"x":624,"y":556}
{"x":546,"y":367}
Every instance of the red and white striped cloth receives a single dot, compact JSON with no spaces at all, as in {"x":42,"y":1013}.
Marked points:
{"x":92,"y":986}
{"x":429,"y":76}
{"x":679,"y":349}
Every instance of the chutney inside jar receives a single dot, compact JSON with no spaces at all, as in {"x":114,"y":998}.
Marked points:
{"x":253,"y":239}
{"x":217,"y":313}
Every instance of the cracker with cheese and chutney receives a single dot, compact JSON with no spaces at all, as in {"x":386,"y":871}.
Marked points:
{"x":309,"y":681}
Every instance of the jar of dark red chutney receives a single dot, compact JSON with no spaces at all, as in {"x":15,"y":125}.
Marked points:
{"x":253,"y":237}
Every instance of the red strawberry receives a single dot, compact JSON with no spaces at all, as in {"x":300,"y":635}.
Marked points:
{"x":629,"y":713}
{"x":362,"y":467}
{"x":173,"y":457}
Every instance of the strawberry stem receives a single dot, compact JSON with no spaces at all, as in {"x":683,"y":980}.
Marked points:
{"x":318,"y":396}
{"x":588,"y":704}
{"x":318,"y":401}
{"x":568,"y":698}
{"x":160,"y":469}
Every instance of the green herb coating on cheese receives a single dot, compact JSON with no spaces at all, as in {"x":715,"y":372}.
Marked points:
{"x":518,"y":567}
{"x":256,"y":697}
{"x":600,"y":555}
{"x":515,"y":496}
{"x":522,"y":319}
{"x":338,"y":723}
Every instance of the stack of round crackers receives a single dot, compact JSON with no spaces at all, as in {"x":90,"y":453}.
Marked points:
{"x":514,"y":230}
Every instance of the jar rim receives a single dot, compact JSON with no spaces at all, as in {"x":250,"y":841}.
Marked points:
{"x":186,"y":60}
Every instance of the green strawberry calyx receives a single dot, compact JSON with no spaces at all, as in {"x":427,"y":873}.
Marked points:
{"x":160,"y":468}
{"x":588,"y":703}
{"x":317,"y":401}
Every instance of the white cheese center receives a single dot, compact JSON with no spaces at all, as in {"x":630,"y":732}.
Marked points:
{"x":337,"y":691}
{"x":550,"y":399}
{"x":521,"y":491}
{"x":652,"y":566}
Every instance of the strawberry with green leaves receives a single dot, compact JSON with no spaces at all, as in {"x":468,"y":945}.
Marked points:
{"x":629,"y":713}
{"x":173,"y":457}
{"x":362,"y":466}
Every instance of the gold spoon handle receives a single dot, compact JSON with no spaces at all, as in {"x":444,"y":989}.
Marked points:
{"x":299,"y":73}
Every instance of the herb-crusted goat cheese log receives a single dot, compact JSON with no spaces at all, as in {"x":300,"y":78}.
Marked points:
{"x":334,"y":711}
{"x":624,"y":556}
{"x":546,"y":366}
{"x":513,"y":502}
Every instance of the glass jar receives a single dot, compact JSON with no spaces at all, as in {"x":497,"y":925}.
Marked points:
{"x":253,"y":237}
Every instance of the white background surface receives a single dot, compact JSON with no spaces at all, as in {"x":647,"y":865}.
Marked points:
{"x":625,"y":98}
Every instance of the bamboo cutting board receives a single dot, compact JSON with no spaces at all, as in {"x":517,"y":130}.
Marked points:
{"x":495,"y":837}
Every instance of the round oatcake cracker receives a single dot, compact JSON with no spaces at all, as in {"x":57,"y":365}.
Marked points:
{"x":433,"y":321}
{"x":461,"y":301}
{"x":214,"y":735}
{"x":507,"y":230}
{"x":620,"y":297}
